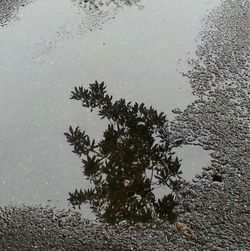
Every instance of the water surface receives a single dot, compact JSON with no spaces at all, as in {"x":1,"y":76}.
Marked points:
{"x":47,"y":47}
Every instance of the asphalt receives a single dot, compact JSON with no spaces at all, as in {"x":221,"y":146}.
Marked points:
{"x":215,"y":206}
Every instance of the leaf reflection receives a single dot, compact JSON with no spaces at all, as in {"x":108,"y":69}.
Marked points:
{"x":125,"y":167}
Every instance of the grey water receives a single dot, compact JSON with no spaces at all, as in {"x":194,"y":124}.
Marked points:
{"x":139,"y":48}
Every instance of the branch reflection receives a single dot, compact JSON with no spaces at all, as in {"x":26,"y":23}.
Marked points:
{"x":126,"y":167}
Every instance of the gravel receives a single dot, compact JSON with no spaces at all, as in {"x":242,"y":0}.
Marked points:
{"x":9,"y":10}
{"x":215,"y":206}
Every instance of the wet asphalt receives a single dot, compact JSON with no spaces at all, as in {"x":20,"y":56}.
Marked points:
{"x":216,"y":205}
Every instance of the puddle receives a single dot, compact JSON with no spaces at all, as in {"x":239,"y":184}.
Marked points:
{"x":138,"y":52}
{"x":193,"y":159}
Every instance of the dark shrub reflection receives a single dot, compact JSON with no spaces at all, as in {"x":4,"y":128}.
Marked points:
{"x":132,"y":160}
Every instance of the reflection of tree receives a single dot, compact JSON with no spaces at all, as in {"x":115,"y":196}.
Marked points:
{"x":129,"y":163}
{"x":9,"y":10}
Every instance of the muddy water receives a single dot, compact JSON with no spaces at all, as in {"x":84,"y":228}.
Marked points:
{"x":47,"y":47}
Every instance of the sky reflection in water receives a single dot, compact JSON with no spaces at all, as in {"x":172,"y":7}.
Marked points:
{"x":139,"y":52}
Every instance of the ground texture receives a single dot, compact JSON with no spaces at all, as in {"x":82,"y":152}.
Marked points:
{"x":216,"y":206}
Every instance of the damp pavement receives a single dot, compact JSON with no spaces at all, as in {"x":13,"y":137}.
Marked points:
{"x":215,"y":206}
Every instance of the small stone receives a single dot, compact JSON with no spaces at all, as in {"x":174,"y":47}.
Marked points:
{"x":176,"y":111}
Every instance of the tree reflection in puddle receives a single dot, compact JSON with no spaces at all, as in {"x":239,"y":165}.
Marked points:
{"x":133,"y":159}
